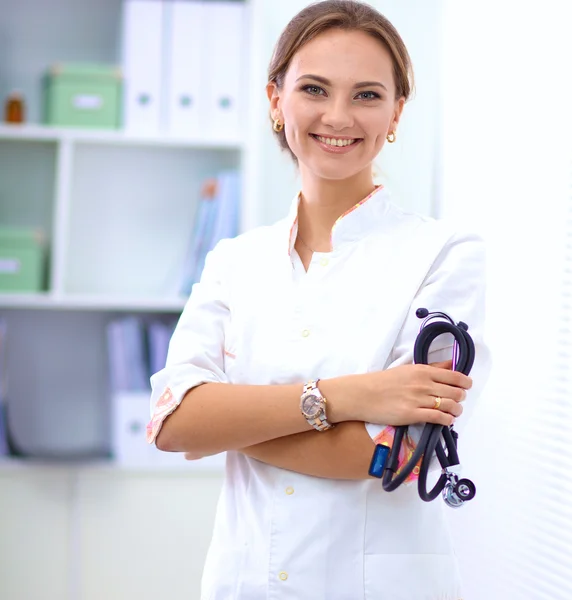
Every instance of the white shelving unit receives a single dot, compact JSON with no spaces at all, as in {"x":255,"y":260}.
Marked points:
{"x":107,"y":185}
{"x":47,"y":301}
{"x":117,"y":211}
{"x":41,"y":133}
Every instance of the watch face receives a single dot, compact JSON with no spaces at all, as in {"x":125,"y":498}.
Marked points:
{"x":311,"y":406}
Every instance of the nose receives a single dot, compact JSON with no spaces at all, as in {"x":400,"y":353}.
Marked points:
{"x":337,"y":114}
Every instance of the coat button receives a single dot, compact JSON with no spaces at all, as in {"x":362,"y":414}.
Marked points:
{"x":289,"y":490}
{"x":324,"y":262}
{"x":305,"y":333}
{"x":283,"y":576}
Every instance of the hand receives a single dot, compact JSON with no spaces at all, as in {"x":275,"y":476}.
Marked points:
{"x":399,"y":396}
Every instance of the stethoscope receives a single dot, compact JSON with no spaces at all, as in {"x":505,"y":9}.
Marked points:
{"x":384,"y":463}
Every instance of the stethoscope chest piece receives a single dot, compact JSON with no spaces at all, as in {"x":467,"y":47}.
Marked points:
{"x":457,"y":491}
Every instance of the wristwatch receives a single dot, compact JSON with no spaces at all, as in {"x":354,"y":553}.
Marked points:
{"x":313,"y":406}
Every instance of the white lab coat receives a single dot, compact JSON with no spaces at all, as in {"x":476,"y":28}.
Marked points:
{"x":257,"y":317}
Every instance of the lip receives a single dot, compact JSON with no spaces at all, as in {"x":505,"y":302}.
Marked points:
{"x":337,"y":149}
{"x":336,"y":137}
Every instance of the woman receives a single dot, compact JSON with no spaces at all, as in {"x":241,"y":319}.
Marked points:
{"x":321,"y":305}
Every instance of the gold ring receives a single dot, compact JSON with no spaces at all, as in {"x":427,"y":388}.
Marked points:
{"x":437,"y":403}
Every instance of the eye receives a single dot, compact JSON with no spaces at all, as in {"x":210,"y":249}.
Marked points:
{"x":313,"y":90}
{"x":372,"y":95}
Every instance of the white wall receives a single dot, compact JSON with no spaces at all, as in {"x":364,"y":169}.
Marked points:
{"x":507,"y":98}
{"x":100,"y":532}
{"x":411,"y":166}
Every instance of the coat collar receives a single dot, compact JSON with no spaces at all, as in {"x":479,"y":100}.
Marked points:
{"x":355,"y":224}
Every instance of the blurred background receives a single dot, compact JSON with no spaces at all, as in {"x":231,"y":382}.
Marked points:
{"x":135,"y":134}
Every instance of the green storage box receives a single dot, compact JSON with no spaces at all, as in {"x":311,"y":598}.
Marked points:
{"x":80,"y":95}
{"x":22,"y":260}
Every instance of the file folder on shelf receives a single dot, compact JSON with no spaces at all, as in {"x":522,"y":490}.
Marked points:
{"x":187,"y":75}
{"x":228,"y":194}
{"x":205,"y":217}
{"x":223,"y":51}
{"x":159,"y":335}
{"x":217,"y":218}
{"x":4,"y":450}
{"x":128,"y":369}
{"x":142,"y":61}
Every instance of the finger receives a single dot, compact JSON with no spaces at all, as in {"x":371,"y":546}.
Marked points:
{"x":191,"y":456}
{"x":437,"y":417}
{"x":447,"y":406}
{"x":445,"y":364}
{"x":447,"y":391}
{"x":453,"y":378}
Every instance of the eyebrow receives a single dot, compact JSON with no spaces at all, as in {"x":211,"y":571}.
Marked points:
{"x":328,"y":82}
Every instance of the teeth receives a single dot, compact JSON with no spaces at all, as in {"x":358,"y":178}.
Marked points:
{"x":335,"y":142}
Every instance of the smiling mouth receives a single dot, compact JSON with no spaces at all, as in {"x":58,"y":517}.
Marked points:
{"x":336,"y":142}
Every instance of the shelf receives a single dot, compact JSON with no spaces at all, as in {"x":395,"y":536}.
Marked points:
{"x":15,"y":464}
{"x":96,"y":303}
{"x":42,"y":133}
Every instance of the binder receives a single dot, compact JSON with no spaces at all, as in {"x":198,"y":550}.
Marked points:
{"x":226,"y":224}
{"x":186,"y":73}
{"x":142,"y":61}
{"x":126,"y":342}
{"x":118,"y":376}
{"x":224,"y":32}
{"x":4,"y":449}
{"x":159,"y":335}
{"x":216,"y":218}
{"x":205,"y":216}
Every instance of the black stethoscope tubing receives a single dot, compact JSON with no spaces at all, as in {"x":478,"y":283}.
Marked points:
{"x":430,"y":438}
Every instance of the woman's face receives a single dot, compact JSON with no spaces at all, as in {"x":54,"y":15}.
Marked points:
{"x":337,"y":103}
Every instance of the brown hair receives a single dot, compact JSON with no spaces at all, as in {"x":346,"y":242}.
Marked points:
{"x":339,"y":14}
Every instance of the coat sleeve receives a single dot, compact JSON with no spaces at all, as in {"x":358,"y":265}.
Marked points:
{"x":196,"y":348}
{"x":455,"y":285}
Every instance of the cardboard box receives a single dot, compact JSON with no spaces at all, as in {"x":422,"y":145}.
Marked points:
{"x":83,"y":96}
{"x":22,"y":260}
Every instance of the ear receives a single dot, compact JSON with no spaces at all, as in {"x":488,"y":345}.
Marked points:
{"x":274,"y":96}
{"x":397,"y":113}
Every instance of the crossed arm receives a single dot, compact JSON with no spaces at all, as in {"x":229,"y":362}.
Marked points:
{"x":343,"y":452}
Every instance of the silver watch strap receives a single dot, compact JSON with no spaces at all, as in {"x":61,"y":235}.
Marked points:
{"x":319,"y":423}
